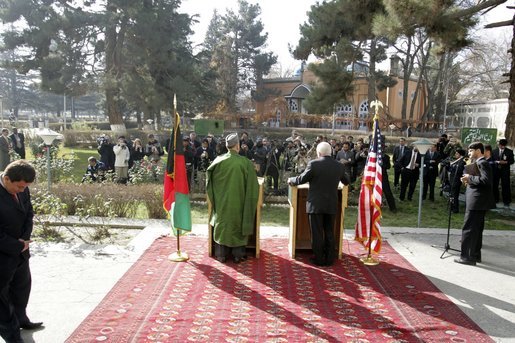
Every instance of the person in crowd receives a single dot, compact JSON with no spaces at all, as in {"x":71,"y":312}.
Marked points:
{"x":16,"y":216}
{"x":289,"y":154}
{"x":18,"y":142}
{"x":259,"y":153}
{"x":336,"y":149}
{"x":478,"y":199}
{"x":323,"y":175}
{"x":387,"y":191}
{"x":95,"y":172}
{"x":456,"y":169}
{"x":212,"y":142}
{"x":301,"y":160}
{"x":347,"y":158}
{"x":204,"y":156}
{"x":503,"y":158}
{"x":351,"y":143}
{"x":398,"y":153}
{"x":121,"y":163}
{"x":5,"y":149}
{"x":189,"y":159}
{"x":153,"y":150}
{"x":245,"y":151}
{"x":489,"y":158}
{"x":452,"y":146}
{"x":431,"y":163}
{"x":410,"y":173}
{"x":273,"y":166}
{"x":360,"y":159}
{"x":244,"y":139}
{"x":138,"y":151}
{"x":105,"y":149}
{"x":195,"y":143}
{"x":441,"y":144}
{"x":232,"y":189}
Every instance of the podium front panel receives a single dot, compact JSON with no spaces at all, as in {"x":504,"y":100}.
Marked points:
{"x":300,"y":231}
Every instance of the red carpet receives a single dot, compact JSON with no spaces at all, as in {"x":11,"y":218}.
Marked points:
{"x":274,"y":299}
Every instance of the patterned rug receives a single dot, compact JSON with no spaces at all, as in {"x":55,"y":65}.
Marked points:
{"x":274,"y":299}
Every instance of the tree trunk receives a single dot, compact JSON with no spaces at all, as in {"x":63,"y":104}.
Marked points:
{"x":372,"y":77}
{"x":114,"y":42}
{"x":405,"y":80}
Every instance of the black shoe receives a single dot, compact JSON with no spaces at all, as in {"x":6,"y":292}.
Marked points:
{"x":315,"y":262}
{"x":467,"y":262}
{"x":240,"y":259}
{"x":222,"y":259}
{"x":31,"y":325}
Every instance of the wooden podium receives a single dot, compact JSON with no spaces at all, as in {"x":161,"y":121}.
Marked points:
{"x":299,"y":237}
{"x":253,"y":243}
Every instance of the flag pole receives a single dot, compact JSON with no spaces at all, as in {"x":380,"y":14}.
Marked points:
{"x":370,"y":260}
{"x":177,"y":256}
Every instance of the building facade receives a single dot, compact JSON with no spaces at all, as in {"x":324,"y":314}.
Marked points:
{"x":283,"y":106}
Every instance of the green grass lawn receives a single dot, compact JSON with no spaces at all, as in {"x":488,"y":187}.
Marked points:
{"x":433,"y":215}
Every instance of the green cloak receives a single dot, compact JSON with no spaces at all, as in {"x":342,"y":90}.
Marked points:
{"x":232,"y":189}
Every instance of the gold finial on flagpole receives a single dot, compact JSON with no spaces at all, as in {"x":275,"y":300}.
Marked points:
{"x":174,"y":103}
{"x":376,"y":104}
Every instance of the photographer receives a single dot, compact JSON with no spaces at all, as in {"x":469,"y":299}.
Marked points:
{"x":121,"y":163}
{"x":105,"y":149}
{"x":153,"y":149}
{"x":94,"y":172}
{"x":204,"y":156}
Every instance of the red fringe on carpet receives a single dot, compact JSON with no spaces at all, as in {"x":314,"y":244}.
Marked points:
{"x":274,"y":299}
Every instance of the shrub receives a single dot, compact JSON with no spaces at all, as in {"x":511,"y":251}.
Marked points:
{"x":106,"y":199}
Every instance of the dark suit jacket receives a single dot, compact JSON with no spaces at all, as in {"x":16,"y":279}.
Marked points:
{"x":431,"y":168}
{"x":323,"y":175}
{"x":507,"y":155}
{"x":397,"y":155}
{"x":15,"y":223}
{"x":479,"y":195}
{"x":407,"y":158}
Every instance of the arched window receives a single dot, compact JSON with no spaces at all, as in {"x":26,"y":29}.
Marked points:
{"x":293,"y":105}
{"x":363,"y":115}
{"x":345,"y":114}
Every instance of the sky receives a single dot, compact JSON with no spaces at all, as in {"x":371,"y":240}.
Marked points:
{"x":282,"y":18}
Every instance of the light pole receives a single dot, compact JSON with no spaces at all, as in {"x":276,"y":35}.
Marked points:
{"x":422,"y":145}
{"x":48,"y":137}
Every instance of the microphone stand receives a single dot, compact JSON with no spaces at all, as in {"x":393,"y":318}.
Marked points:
{"x":450,"y":202}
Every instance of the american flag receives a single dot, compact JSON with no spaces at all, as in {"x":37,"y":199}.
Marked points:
{"x":368,"y":229}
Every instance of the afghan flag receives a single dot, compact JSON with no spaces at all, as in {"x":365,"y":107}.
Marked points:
{"x":176,"y":199}
{"x":368,"y":229}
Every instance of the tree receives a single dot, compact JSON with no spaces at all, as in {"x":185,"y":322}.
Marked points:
{"x":237,"y":42}
{"x":340,"y":33}
{"x":129,"y":41}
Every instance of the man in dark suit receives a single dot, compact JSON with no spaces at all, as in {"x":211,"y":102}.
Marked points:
{"x":15,"y":230}
{"x":18,"y":142}
{"x":479,"y":199}
{"x":398,"y":153}
{"x":323,"y":175}
{"x":503,"y":158}
{"x":410,"y":172}
{"x":431,"y":162}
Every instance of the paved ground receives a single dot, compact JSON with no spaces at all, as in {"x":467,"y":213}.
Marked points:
{"x":69,"y":281}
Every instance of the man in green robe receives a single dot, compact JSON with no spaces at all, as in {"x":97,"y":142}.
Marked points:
{"x":232,"y":189}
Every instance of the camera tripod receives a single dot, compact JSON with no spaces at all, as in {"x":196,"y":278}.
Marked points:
{"x":447,"y":246}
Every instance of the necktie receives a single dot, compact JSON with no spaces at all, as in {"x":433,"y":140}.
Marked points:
{"x":15,"y":197}
{"x":431,"y":155}
{"x":412,"y":162}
